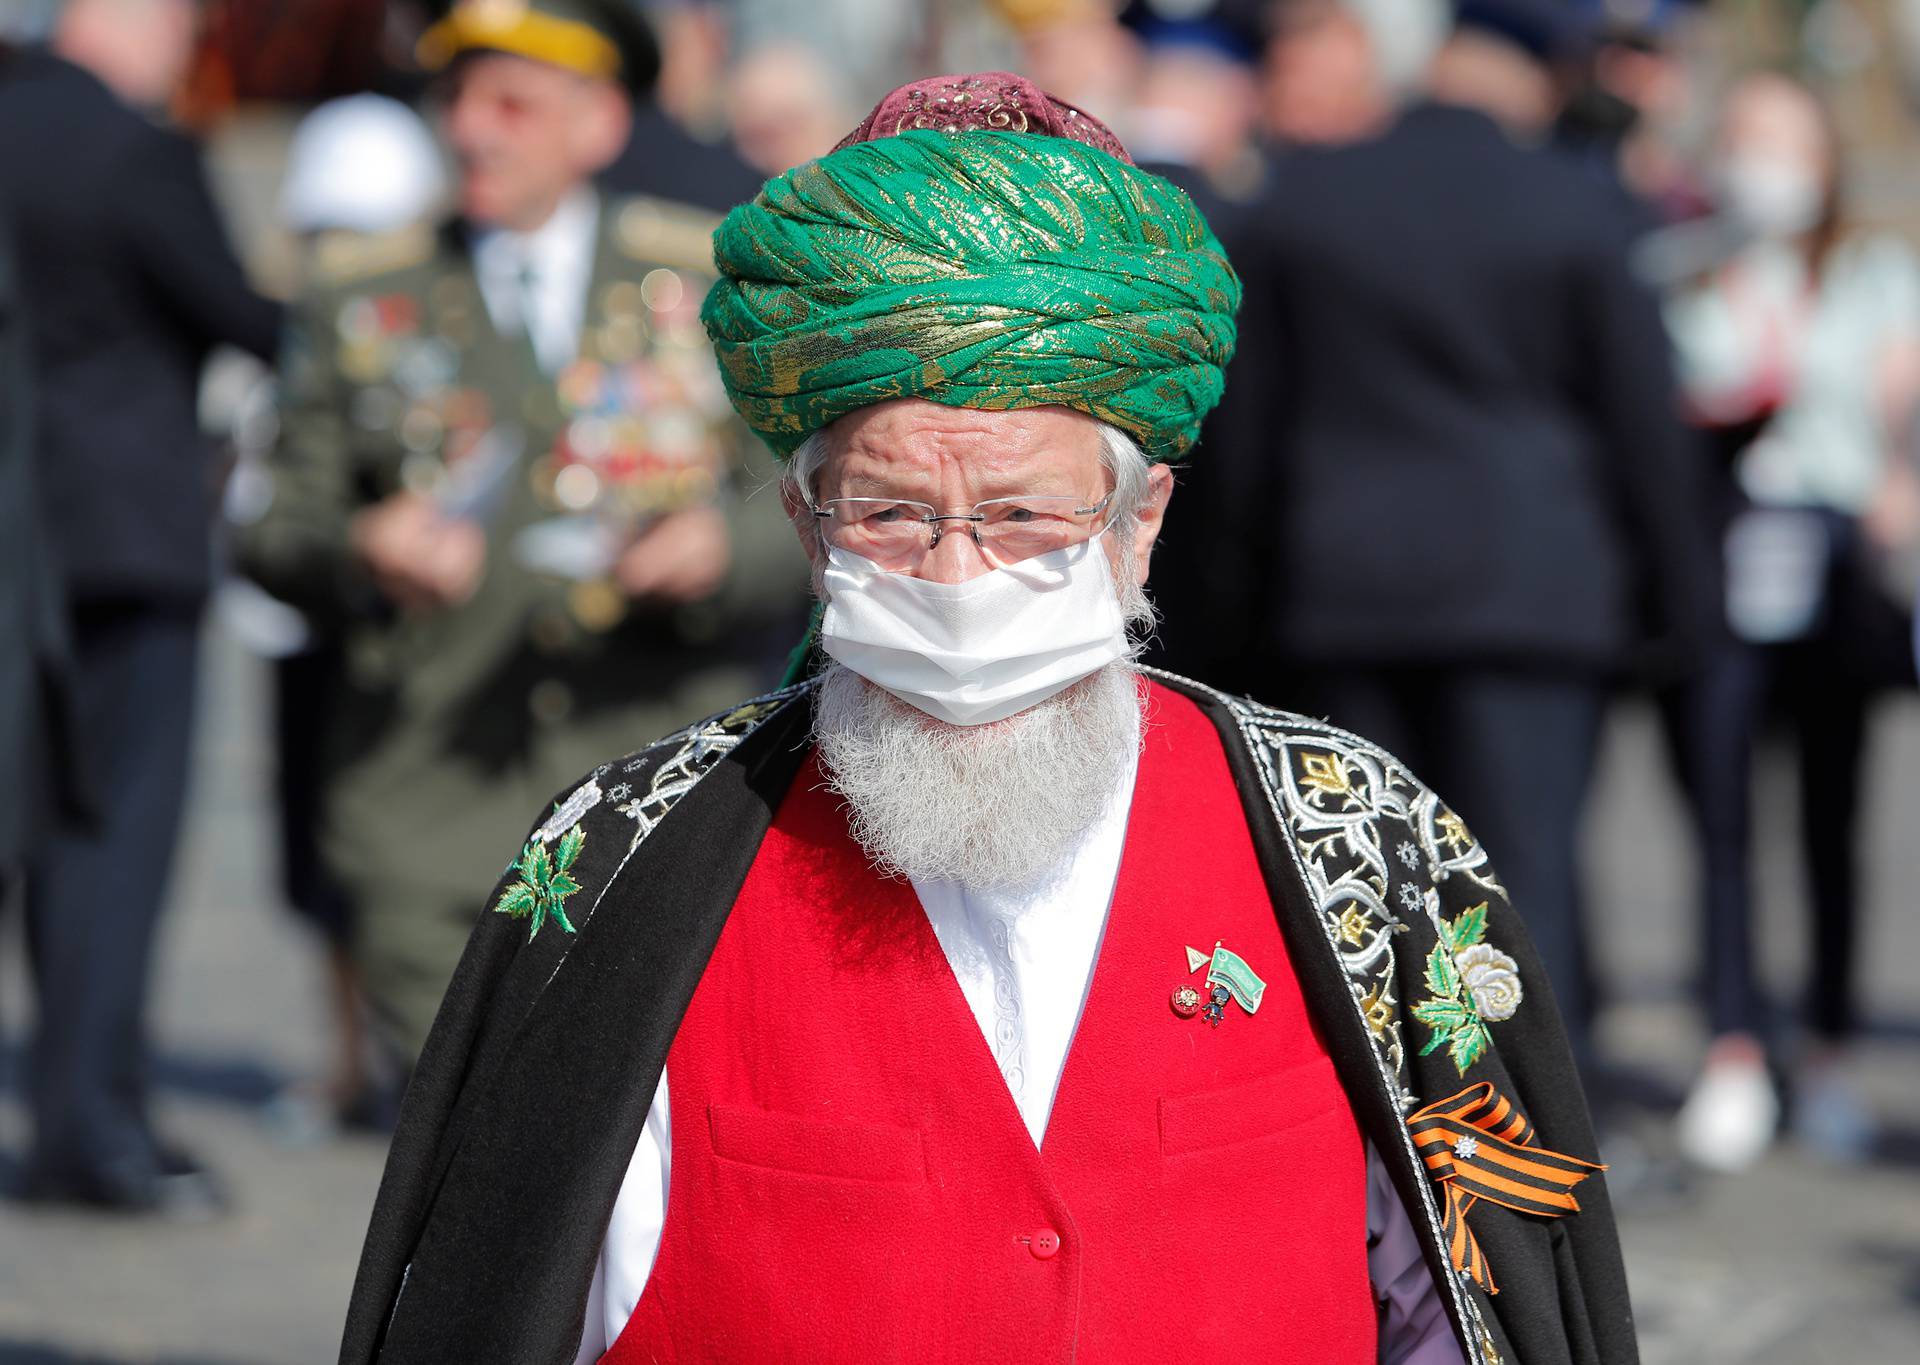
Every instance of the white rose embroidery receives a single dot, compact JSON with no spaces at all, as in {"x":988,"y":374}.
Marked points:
{"x":1492,"y":979}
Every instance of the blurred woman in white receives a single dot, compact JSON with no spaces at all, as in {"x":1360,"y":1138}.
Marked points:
{"x":1798,"y":352}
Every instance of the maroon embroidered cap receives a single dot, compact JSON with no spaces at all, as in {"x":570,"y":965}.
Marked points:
{"x":995,"y":100}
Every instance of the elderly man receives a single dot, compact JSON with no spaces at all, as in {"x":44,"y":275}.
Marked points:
{"x":984,"y":996}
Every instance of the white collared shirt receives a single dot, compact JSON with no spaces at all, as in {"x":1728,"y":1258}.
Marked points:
{"x":1013,"y":951}
{"x":536,"y":282}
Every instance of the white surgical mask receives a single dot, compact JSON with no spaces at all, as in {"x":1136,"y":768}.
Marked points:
{"x":979,"y":651}
{"x":1772,"y":196}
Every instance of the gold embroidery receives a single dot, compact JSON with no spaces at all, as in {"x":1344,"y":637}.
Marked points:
{"x":1377,"y":1008}
{"x":965,"y":104}
{"x":1353,"y":926}
{"x":1327,"y":773}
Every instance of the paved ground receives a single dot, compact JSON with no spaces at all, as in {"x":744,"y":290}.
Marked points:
{"x":1793,"y":1264}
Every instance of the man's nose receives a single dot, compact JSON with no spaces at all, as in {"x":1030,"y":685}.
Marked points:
{"x":955,"y":556}
{"x":466,"y":122}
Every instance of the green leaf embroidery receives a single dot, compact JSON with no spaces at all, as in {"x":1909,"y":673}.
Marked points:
{"x":1468,"y":928}
{"x":1443,"y":1015}
{"x":1450,"y":1013}
{"x":1468,"y":1045}
{"x":570,"y":844}
{"x":545,"y":883}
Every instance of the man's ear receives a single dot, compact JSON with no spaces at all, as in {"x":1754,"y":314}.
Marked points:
{"x":1152,"y":515}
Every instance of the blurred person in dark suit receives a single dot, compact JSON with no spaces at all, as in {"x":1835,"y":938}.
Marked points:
{"x":1631,"y":97}
{"x":34,"y":775}
{"x":695,"y":39}
{"x":1337,"y":70}
{"x":661,"y":157}
{"x":785,"y":108}
{"x":1194,"y":121}
{"x":1459,"y":474}
{"x":1331,"y":72}
{"x":20,"y":718}
{"x":1077,"y":49}
{"x":128,"y":283}
{"x":1198,"y":104}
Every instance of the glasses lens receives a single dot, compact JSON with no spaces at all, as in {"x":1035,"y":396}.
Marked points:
{"x":1020,"y":528}
{"x":877,"y":528}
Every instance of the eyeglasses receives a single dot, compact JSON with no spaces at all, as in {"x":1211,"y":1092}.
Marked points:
{"x":894,"y":532}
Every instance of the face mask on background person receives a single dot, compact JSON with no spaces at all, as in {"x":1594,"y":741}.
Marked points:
{"x":1773,"y":196}
{"x":975,"y":652}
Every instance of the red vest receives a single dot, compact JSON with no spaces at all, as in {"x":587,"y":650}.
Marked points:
{"x":851,"y":1180}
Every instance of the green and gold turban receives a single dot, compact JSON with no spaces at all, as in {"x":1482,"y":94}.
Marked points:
{"x":988,"y":269}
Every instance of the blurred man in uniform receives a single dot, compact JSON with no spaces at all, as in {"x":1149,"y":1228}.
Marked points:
{"x":127,"y":283}
{"x":506,"y":476}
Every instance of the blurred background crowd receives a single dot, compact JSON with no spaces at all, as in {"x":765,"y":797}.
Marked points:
{"x":355,"y":416}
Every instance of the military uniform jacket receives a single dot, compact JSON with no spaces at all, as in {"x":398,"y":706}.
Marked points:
{"x":524,"y":1111}
{"x":395,"y":378}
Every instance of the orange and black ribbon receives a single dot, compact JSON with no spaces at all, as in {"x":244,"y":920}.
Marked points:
{"x":1478,"y":1145}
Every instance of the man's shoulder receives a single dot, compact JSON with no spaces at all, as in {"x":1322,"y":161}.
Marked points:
{"x":1275,"y":730}
{"x":35,"y":76}
{"x":670,"y":764}
{"x":623,"y":800}
{"x":82,"y":131}
{"x":652,"y":231}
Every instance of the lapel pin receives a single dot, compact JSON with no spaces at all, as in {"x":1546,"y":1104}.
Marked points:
{"x":1229,"y":978}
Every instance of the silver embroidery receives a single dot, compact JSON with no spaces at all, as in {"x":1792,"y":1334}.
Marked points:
{"x":567,"y":814}
{"x":701,"y":745}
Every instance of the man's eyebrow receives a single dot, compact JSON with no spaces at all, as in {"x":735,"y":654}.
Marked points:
{"x":869,"y":483}
{"x":912,"y":485}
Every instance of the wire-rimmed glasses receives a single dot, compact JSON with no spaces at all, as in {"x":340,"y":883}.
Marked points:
{"x":895,"y":532}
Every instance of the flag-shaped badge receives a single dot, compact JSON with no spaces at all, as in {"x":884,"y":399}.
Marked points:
{"x":1228,"y":976}
{"x":1229,"y":969}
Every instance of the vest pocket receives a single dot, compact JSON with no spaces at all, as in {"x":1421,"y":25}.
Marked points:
{"x":842,"y":1151}
{"x":1253,"y":1109}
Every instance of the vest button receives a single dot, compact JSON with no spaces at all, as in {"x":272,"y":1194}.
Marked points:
{"x":1043,"y":1244}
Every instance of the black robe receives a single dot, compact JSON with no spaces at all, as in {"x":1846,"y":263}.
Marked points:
{"x":531,"y":1092}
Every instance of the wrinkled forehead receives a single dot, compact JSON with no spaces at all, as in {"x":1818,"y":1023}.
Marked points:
{"x":911,"y":445}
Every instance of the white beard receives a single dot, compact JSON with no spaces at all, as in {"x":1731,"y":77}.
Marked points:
{"x":986,"y":806}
